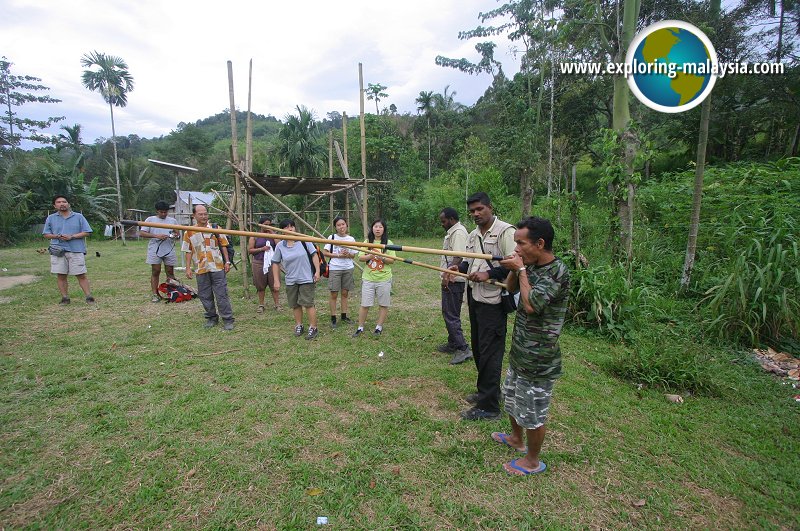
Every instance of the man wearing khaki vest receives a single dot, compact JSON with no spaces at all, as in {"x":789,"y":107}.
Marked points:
{"x":455,"y":239}
{"x":486,"y":317}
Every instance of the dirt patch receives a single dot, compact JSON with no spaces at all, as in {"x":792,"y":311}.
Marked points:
{"x":16,"y":280}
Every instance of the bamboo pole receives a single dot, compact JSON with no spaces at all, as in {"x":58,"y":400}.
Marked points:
{"x":311,"y":239}
{"x":344,"y":167}
{"x":284,"y":231}
{"x":364,"y":208}
{"x":422,"y":264}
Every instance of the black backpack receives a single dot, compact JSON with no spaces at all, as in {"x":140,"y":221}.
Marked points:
{"x":323,"y":265}
{"x":229,"y":247}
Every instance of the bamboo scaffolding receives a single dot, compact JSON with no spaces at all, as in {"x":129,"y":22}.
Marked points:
{"x":311,"y":239}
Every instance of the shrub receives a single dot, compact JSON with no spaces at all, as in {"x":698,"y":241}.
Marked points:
{"x":603,"y":297}
{"x":757,"y":300}
{"x":663,"y":356}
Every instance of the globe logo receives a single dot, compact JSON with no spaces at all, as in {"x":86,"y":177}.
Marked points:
{"x":672,"y":66}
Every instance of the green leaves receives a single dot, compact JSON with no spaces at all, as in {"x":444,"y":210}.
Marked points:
{"x":108,"y":75}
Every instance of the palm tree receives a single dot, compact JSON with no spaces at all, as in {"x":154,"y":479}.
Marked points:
{"x":113,"y":81}
{"x":425,"y":106}
{"x":299,"y":150}
{"x":72,"y":140}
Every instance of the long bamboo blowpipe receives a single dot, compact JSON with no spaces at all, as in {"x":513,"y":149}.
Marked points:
{"x":285,"y":231}
{"x":422,"y":264}
{"x":347,"y":245}
{"x":311,"y":239}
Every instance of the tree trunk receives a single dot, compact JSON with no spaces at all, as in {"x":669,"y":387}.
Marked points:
{"x":526,"y":192}
{"x":694,"y":221}
{"x":795,"y":141}
{"x":550,"y":148}
{"x":116,"y":174}
{"x":429,"y":147}
{"x":621,"y":119}
{"x":699,"y":172}
{"x":573,"y":211}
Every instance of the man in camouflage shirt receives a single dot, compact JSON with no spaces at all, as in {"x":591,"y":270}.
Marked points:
{"x":535,"y":356}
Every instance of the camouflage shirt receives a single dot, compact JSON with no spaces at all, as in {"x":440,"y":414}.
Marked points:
{"x":535,"y":353}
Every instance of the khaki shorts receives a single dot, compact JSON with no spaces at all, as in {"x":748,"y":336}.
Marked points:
{"x":301,"y":295}
{"x":376,"y":291}
{"x":341,"y":280}
{"x":528,"y":401}
{"x":69,"y":264}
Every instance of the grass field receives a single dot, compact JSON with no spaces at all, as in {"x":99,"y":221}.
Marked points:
{"x":131,"y":415}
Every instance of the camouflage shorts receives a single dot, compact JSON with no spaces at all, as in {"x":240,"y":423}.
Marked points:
{"x":527,"y":400}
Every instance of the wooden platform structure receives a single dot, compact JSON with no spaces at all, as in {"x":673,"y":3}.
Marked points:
{"x":248,"y":184}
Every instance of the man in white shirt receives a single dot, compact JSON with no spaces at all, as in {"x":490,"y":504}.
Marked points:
{"x":161,"y":247}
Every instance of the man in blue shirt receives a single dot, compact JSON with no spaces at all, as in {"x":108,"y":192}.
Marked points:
{"x":67,"y":231}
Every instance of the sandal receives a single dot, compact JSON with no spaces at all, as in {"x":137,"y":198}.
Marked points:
{"x":260,"y":308}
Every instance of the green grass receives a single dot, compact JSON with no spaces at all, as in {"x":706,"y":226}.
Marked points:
{"x":133,"y":415}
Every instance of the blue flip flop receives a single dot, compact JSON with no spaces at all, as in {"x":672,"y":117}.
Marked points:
{"x":513,"y":464}
{"x":502,"y":438}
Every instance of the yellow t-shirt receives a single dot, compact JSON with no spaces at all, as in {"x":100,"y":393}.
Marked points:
{"x":377,"y":270}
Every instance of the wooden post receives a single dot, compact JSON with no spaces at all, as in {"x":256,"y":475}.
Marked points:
{"x":237,"y":184}
{"x":330,"y":172}
{"x":234,"y":138}
{"x":364,"y":209}
{"x":344,"y":143}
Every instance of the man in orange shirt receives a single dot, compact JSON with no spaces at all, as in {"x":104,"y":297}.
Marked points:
{"x":207,"y":257}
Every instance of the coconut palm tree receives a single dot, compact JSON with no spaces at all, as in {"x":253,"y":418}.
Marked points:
{"x":109,"y":76}
{"x":299,"y":149}
{"x":425,"y":106}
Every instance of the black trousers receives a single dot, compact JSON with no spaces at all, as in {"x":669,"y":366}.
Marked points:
{"x":452,"y":299}
{"x":488,"y":338}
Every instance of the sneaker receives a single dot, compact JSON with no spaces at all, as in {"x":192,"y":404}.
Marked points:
{"x":210,"y":323}
{"x":228,"y":326}
{"x":260,"y":308}
{"x":471,"y":398}
{"x":155,"y":298}
{"x":333,"y":322}
{"x":460,"y":356}
{"x":298,"y":330}
{"x":346,"y":320}
{"x":479,"y":414}
{"x":312,"y":333}
{"x":445,"y":348}
{"x":358,"y":332}
{"x":377,"y":332}
{"x":90,"y":300}
{"x":64,"y":301}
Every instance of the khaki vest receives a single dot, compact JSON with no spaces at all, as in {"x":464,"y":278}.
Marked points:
{"x":495,"y":242}
{"x":447,"y":245}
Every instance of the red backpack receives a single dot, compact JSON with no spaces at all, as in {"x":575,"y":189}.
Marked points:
{"x":175,"y":292}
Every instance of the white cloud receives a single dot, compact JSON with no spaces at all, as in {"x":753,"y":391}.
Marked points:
{"x":304,"y":53}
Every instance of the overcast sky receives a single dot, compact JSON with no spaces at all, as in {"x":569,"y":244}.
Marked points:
{"x":304,"y":52}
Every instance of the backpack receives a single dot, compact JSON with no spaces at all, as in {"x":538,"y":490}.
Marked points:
{"x":229,"y":247}
{"x":323,"y":265}
{"x":173,"y":292}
